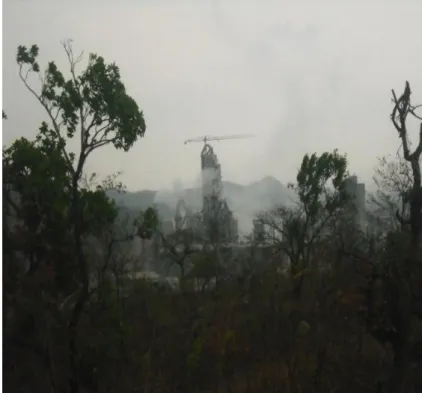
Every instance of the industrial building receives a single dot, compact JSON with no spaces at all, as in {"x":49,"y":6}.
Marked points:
{"x":215,"y":223}
{"x":218,"y":219}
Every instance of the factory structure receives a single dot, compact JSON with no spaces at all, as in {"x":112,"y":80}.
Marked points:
{"x":218,"y":219}
{"x":215,"y":222}
{"x":215,"y":226}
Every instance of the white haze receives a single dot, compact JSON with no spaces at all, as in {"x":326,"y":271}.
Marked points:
{"x":303,"y":76}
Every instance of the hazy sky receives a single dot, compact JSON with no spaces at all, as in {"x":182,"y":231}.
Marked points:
{"x":303,"y":76}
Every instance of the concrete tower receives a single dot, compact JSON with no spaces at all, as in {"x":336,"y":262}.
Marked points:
{"x":357,"y":194}
{"x":211,"y":179}
{"x":218,"y":218}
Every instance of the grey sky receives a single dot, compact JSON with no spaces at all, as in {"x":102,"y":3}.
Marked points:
{"x":303,"y":76}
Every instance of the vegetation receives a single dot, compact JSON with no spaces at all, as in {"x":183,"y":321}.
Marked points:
{"x":344,"y":316}
{"x":301,"y":231}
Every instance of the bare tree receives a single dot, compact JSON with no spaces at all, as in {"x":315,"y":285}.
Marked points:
{"x":400,"y":269}
{"x":393,"y":180}
{"x":401,"y":111}
{"x":178,"y":246}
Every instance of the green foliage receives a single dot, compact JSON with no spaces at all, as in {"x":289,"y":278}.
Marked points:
{"x":147,"y":223}
{"x":98,"y":210}
{"x":302,"y":228}
{"x":38,"y":173}
{"x":35,"y":164}
{"x":312,"y":178}
{"x":96,"y":104}
{"x":28,"y":57}
{"x":96,"y":100}
{"x":56,"y":211}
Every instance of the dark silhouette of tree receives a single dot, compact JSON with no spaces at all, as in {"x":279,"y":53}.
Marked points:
{"x":54,"y":213}
{"x":399,"y":116}
{"x":298,"y":229}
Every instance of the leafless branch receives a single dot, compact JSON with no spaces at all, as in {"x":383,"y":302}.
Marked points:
{"x":402,"y":107}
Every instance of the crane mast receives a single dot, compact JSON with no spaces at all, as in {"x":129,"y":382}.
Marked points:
{"x":214,"y":207}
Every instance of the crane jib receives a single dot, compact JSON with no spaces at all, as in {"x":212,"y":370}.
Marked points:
{"x":206,"y":139}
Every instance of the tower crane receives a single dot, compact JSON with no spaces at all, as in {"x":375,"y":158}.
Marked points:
{"x":206,"y":138}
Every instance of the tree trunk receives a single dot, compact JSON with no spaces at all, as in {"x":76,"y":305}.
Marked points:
{"x":74,"y":358}
{"x":401,"y":343}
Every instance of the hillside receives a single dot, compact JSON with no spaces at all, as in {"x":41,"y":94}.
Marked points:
{"x":244,"y":200}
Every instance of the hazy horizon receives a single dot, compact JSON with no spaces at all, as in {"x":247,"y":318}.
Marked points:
{"x":301,"y":76}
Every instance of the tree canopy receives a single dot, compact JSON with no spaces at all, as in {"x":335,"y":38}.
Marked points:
{"x":54,"y":214}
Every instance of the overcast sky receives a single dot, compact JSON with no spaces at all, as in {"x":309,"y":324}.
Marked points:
{"x":303,"y":76}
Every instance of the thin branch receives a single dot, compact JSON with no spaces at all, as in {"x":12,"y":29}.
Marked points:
{"x":412,"y":111}
{"x":99,"y":130}
{"x":90,"y":126}
{"x":47,"y":109}
{"x":102,"y":142}
{"x":67,"y":45}
{"x":401,"y":109}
